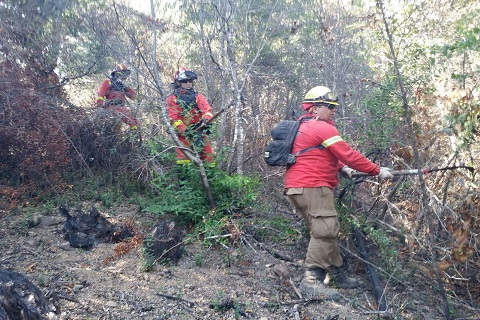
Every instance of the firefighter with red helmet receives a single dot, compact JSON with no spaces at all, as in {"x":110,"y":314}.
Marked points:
{"x":112,"y":95}
{"x":189,"y":112}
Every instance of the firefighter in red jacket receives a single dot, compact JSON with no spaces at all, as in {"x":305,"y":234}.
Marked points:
{"x":112,"y":95}
{"x":309,"y":184}
{"x":189,"y":113}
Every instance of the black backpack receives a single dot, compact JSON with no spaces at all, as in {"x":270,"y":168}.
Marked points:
{"x":279,"y":151}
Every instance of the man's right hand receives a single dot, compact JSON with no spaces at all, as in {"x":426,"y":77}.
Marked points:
{"x":347,"y":171}
{"x":385,"y":173}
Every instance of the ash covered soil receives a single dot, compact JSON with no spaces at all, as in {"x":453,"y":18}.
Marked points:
{"x":241,"y":279}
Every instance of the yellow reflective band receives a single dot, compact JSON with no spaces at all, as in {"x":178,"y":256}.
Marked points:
{"x":327,"y":143}
{"x":177,"y":123}
{"x":208,"y":114}
{"x":101,"y":98}
{"x":183,"y":161}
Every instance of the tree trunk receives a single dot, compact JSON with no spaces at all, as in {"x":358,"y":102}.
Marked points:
{"x":192,"y":155}
{"x":425,"y":199}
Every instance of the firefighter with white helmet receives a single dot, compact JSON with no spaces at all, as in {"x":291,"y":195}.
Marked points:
{"x":309,"y":184}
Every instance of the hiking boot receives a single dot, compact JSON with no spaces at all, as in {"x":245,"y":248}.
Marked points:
{"x":312,"y":285}
{"x":342,"y":280}
{"x":315,"y":274}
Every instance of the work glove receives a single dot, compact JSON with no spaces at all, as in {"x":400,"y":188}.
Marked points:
{"x":385,"y":173}
{"x":346,"y":171}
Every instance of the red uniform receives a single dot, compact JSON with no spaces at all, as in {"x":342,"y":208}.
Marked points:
{"x":319,"y":168}
{"x":112,"y":94}
{"x":187,"y":108}
{"x":309,"y":183}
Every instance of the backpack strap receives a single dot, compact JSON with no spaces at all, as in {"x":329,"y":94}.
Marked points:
{"x":320,"y":146}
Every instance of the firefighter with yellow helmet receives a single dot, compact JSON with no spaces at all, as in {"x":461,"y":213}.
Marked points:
{"x":309,"y":184}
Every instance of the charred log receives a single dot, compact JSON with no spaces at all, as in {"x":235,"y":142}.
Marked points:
{"x":85,"y":230}
{"x":20,"y":299}
{"x":166,"y":244}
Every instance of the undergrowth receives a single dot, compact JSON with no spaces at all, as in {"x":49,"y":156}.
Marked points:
{"x":180,"y":193}
{"x":378,"y":239}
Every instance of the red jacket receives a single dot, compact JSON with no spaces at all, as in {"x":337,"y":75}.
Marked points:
{"x":319,"y":168}
{"x":187,"y":108}
{"x":109,"y":95}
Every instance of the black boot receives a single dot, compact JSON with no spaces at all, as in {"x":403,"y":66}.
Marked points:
{"x":312,"y":284}
{"x":315,"y":274}
{"x":342,"y":279}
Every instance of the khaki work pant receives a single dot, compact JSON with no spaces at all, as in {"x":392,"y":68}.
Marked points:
{"x":316,"y":207}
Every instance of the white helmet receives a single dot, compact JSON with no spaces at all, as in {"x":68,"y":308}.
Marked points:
{"x":321,"y":94}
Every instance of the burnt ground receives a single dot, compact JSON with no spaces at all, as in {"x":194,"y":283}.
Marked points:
{"x":242,"y":279}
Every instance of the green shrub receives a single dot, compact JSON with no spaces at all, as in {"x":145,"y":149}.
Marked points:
{"x":180,"y":192}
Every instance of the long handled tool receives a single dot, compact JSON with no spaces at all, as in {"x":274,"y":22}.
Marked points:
{"x":215,"y":116}
{"x":417,"y":171}
{"x":203,"y":125}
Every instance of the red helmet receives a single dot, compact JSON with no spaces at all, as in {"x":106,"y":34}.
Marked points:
{"x":120,"y":67}
{"x":122,"y":70}
{"x":184,"y":74}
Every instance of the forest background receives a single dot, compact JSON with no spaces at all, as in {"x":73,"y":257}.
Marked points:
{"x":406,"y":73}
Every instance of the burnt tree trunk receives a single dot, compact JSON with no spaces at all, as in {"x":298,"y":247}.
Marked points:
{"x":20,"y":299}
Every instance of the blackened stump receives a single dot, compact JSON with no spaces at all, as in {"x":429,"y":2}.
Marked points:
{"x":85,"y":230}
{"x":20,"y":299}
{"x":167,"y":242}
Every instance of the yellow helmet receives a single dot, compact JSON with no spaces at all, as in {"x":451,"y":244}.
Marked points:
{"x":321,"y":94}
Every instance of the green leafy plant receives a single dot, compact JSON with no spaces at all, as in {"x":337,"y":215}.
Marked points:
{"x":380,"y":237}
{"x":148,"y":258}
{"x":384,"y":243}
{"x":198,"y":259}
{"x":183,"y":195}
{"x":42,"y":280}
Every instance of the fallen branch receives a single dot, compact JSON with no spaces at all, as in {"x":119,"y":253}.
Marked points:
{"x":386,"y":314}
{"x":64,"y":297}
{"x":303,"y":301}
{"x":272,"y":252}
{"x":295,"y":289}
{"x":377,"y":289}
{"x":190,"y":303}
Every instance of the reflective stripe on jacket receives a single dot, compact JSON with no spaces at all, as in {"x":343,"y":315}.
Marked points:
{"x":319,"y":168}
{"x":107,"y":96}
{"x":180,"y":118}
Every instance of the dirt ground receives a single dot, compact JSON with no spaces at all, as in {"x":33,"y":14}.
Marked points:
{"x":246,"y":281}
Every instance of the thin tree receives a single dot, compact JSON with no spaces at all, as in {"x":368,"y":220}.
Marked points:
{"x":192,"y":155}
{"x":425,"y":199}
